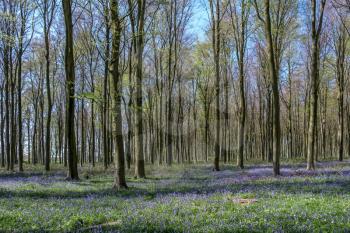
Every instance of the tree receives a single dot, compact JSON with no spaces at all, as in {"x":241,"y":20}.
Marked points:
{"x":340,"y":45}
{"x":139,"y":23}
{"x":274,"y":83}
{"x":117,"y":86}
{"x":25,"y":12}
{"x":70,"y":90}
{"x":314,"y":82}
{"x":2,"y":122}
{"x":47,"y":10}
{"x":215,"y":15}
{"x":171,"y":14}
{"x":7,"y":50}
{"x":239,"y":21}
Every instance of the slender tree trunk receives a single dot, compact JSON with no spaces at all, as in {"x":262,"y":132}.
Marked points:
{"x":169,"y":135}
{"x":70,"y":85}
{"x":242,"y":114}
{"x":12,"y":113}
{"x":28,"y":139}
{"x":314,"y":83}
{"x":105,"y":90}
{"x":275,"y":93}
{"x":120,"y":181}
{"x":289,"y":107}
{"x":341,"y":50}
{"x":93,"y":134}
{"x":7,"y":105}
{"x":239,"y":24}
{"x":19,"y":104}
{"x":139,"y":155}
{"x":216,"y":34}
{"x":82,"y":132}
{"x":2,"y":122}
{"x":269,"y":124}
{"x":49,"y":103}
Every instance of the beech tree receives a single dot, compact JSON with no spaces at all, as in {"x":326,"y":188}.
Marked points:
{"x":316,"y":28}
{"x":239,"y":13}
{"x":341,"y":40}
{"x":47,"y":11}
{"x":70,"y":87}
{"x":216,"y":17}
{"x":274,"y":84}
{"x":117,"y":86}
{"x":137,"y":17}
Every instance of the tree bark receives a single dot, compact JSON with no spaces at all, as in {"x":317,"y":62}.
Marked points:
{"x":215,"y":21}
{"x":120,"y":181}
{"x":47,"y":26}
{"x":275,"y":92}
{"x":70,"y":85}
{"x":314,"y":83}
{"x":340,"y":51}
{"x":139,"y":155}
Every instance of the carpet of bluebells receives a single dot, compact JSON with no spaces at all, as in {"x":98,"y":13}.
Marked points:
{"x":189,"y":198}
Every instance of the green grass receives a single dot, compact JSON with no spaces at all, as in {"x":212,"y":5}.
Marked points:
{"x":178,"y":199}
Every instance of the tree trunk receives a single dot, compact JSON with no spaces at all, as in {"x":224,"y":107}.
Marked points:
{"x":120,"y":181}
{"x":49,"y":103}
{"x":275,"y":93}
{"x":2,"y":122}
{"x":19,"y":101}
{"x":314,"y":83}
{"x":139,"y":156}
{"x":70,"y":85}
{"x":215,"y":21}
{"x":340,"y":50}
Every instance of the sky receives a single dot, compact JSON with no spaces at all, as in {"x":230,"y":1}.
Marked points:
{"x":199,"y":20}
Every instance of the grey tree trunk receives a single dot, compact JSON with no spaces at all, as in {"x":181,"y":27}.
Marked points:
{"x":341,"y":45}
{"x":314,"y":83}
{"x":139,"y":155}
{"x":70,"y":85}
{"x":120,"y":181}
{"x":48,"y":17}
{"x":215,"y":21}
{"x":275,"y":93}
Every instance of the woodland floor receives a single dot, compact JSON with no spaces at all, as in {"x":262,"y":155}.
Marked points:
{"x":180,"y":199}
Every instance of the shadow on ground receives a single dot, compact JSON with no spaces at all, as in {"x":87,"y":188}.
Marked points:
{"x":333,"y":176}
